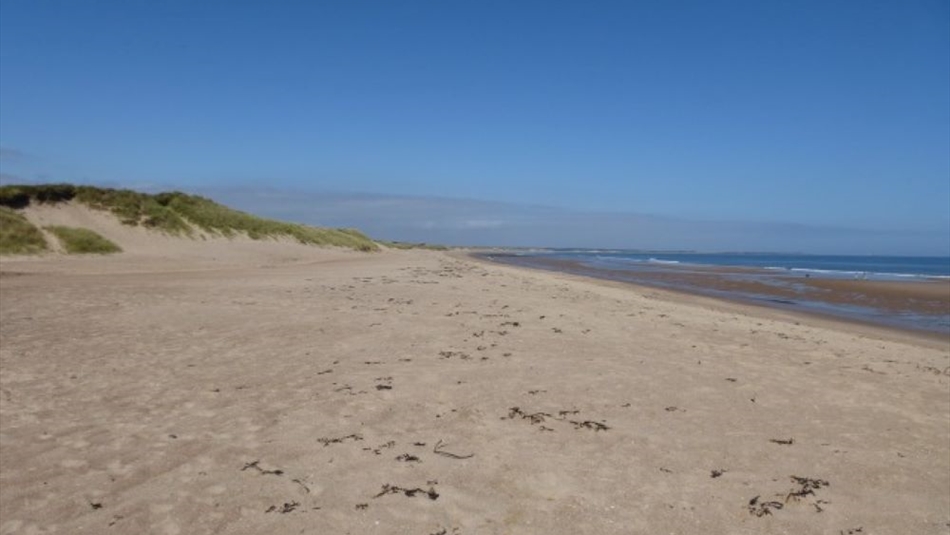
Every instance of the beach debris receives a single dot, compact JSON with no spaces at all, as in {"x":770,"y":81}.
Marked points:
{"x":256,"y":465}
{"x":783,"y":442}
{"x":408,"y":458}
{"x":534,"y":418}
{"x":95,"y":505}
{"x":302,"y":485}
{"x":327,"y":441}
{"x":284,"y":509}
{"x":438,"y":450}
{"x":387,"y":445}
{"x":450,"y":354}
{"x":808,"y":487}
{"x":934,"y":370}
{"x":716,"y":473}
{"x":761,"y":509}
{"x":537,"y":418}
{"x":362,"y":506}
{"x":589,"y":424}
{"x":411,"y":493}
{"x":378,"y":450}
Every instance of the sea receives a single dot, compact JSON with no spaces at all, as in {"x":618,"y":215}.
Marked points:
{"x":833,"y":266}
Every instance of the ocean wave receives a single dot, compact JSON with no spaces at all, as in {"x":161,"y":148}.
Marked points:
{"x":890,"y":270}
{"x":828,"y":271}
{"x":863,"y":274}
{"x":627,"y":260}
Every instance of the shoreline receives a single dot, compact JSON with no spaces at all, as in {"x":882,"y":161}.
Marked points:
{"x":713,"y":282}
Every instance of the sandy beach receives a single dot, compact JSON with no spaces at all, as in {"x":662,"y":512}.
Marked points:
{"x":246,"y":388}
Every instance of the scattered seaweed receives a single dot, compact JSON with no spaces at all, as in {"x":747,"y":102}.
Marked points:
{"x":410,"y":493}
{"x":534,"y":418}
{"x":538,"y":418}
{"x":808,"y":486}
{"x":256,"y":465}
{"x":589,"y":424}
{"x":439,"y":451}
{"x":284,"y":509}
{"x":761,"y":509}
{"x":327,"y":441}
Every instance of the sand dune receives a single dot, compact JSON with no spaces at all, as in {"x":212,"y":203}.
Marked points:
{"x":286,"y":389}
{"x":149,"y":250}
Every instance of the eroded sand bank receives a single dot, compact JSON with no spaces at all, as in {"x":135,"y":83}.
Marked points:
{"x":314,"y":392}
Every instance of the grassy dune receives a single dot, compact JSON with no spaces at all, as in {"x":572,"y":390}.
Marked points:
{"x":19,"y":236}
{"x":83,"y":241}
{"x":179,"y":214}
{"x":408,"y":245}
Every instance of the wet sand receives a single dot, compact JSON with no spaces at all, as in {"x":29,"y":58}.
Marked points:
{"x":914,"y":305}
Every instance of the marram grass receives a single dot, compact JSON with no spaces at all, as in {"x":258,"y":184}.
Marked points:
{"x":178,"y":214}
{"x":83,"y":241}
{"x":19,"y":236}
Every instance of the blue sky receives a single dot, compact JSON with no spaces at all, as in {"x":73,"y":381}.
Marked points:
{"x":802,"y":124}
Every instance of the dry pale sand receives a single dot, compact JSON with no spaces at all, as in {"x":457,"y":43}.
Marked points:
{"x":279,"y":389}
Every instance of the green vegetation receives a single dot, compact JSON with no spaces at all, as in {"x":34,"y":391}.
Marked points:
{"x":218,"y":219}
{"x":83,"y":241}
{"x":19,"y":236}
{"x":407,"y":245}
{"x":178,"y":214}
{"x":20,"y":196}
{"x":134,"y":208}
